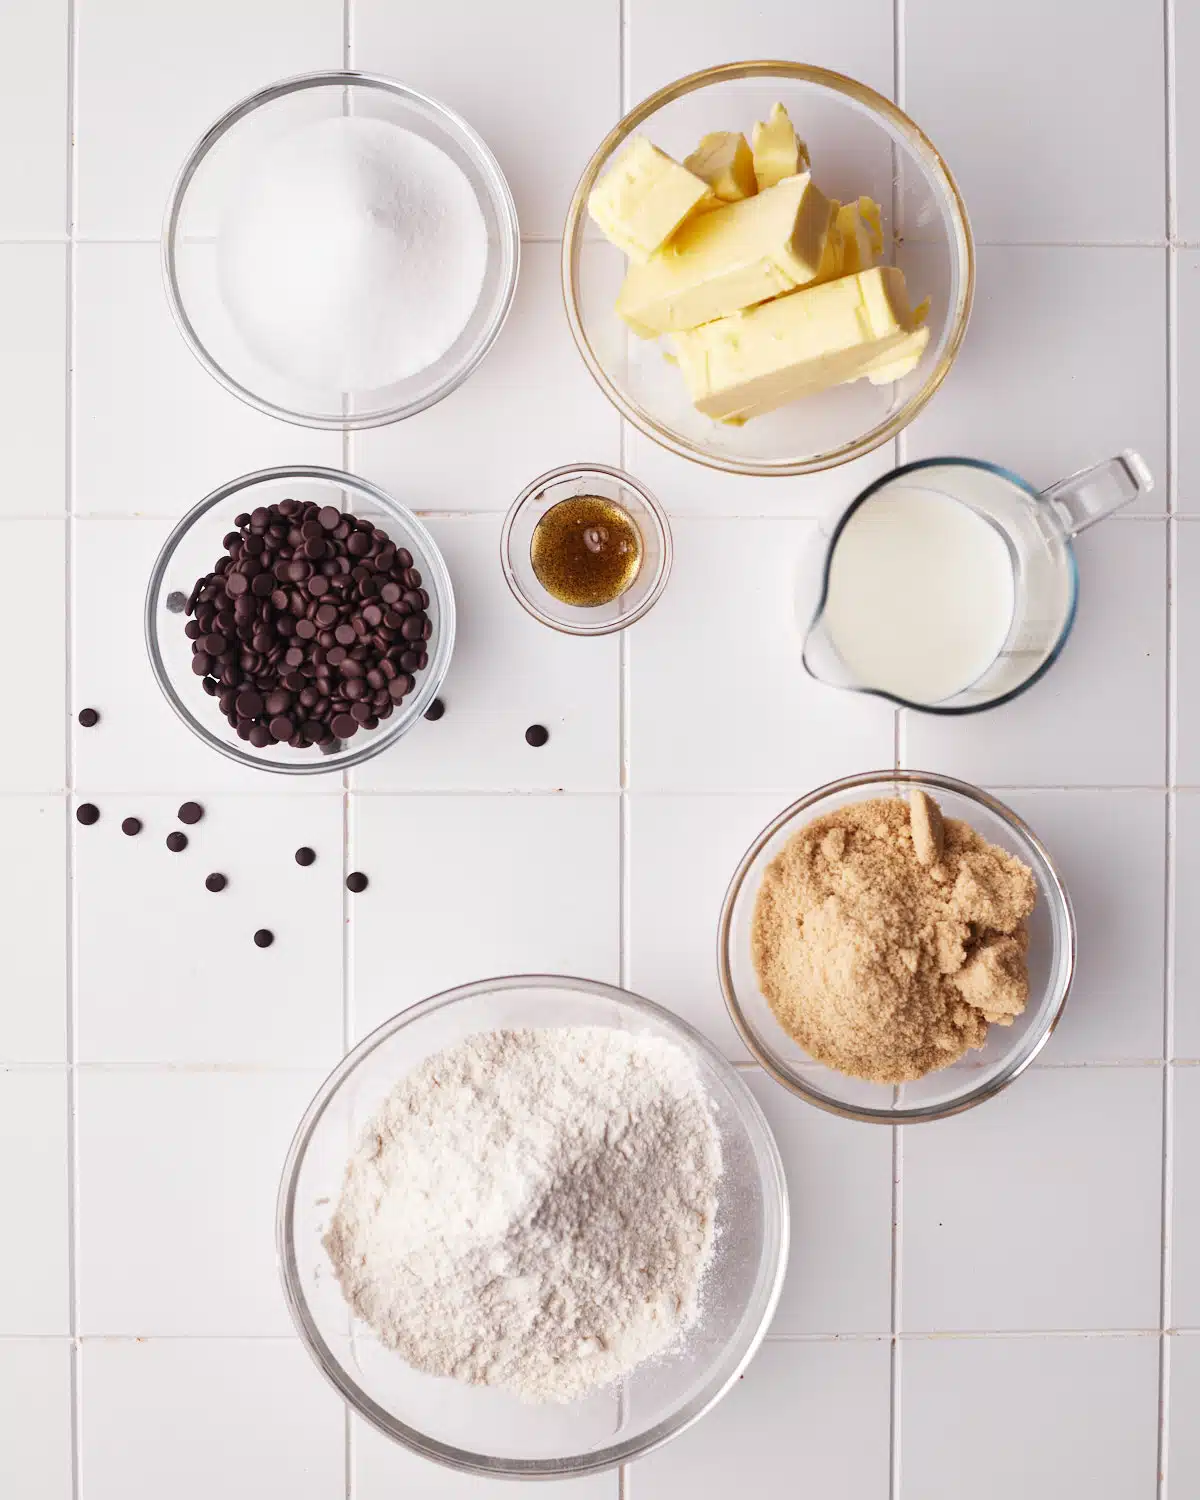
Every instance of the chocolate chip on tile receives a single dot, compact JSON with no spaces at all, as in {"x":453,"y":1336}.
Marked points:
{"x":264,"y":937}
{"x":190,"y":812}
{"x":357,"y":882}
{"x":131,"y":826}
{"x":87,"y":813}
{"x":305,"y":855}
{"x":537,"y":735}
{"x":177,"y":842}
{"x":89,"y":717}
{"x":435,"y":710}
{"x":215,"y":882}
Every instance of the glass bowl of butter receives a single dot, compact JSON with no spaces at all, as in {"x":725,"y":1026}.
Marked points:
{"x":768,"y":268}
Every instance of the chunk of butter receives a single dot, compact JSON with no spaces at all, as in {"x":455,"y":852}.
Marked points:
{"x":778,"y":150}
{"x":731,"y":258}
{"x":900,"y":360}
{"x":723,"y":160}
{"x":743,"y":366}
{"x":643,"y":198}
{"x":861,"y":227}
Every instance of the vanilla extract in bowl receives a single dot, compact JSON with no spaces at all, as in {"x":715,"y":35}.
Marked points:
{"x":586,"y":551}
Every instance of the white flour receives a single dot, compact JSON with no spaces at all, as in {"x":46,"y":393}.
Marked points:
{"x":353,"y":254}
{"x":533,"y":1209}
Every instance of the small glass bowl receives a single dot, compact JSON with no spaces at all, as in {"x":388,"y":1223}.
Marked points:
{"x":980,"y":1075}
{"x":860,"y":144}
{"x":210,"y":178}
{"x":609,"y":484}
{"x":479,"y":1429}
{"x":194,"y":546}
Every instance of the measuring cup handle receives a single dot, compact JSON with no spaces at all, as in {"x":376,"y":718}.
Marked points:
{"x":1087,"y":497}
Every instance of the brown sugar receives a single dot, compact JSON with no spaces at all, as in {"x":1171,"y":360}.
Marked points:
{"x":886,"y":939}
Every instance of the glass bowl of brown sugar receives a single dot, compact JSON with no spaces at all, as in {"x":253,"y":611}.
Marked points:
{"x":981,"y":1071}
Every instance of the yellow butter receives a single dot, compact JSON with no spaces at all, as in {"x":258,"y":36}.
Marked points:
{"x":742,"y":366}
{"x":643,"y":198}
{"x":778,"y":151}
{"x":899,"y":361}
{"x":731,"y":258}
{"x":724,"y":160}
{"x":861,"y":227}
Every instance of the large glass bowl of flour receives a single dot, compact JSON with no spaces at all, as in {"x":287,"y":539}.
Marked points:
{"x":481,"y":1429}
{"x":340,"y":251}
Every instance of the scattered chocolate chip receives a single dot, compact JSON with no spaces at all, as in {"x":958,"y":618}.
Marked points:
{"x":131,"y":826}
{"x":435,"y":710}
{"x":176,"y":602}
{"x":89,"y":717}
{"x":87,"y":813}
{"x":177,"y":842}
{"x":190,"y":812}
{"x":215,"y":882}
{"x":305,"y":855}
{"x":356,"y":882}
{"x":264,"y":937}
{"x":537,"y":735}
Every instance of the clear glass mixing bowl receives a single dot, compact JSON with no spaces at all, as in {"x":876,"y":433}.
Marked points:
{"x":1008,"y":1050}
{"x":860,"y":144}
{"x":477,"y":1428}
{"x":210,"y":178}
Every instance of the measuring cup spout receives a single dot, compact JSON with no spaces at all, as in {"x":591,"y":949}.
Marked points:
{"x":821,"y":660}
{"x":1083,"y":499}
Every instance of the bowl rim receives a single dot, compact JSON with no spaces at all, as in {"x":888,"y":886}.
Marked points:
{"x":1063,"y":916}
{"x":924,"y":149}
{"x":442,"y":590}
{"x":662,"y":526}
{"x":510,"y":245}
{"x":774,"y":1186}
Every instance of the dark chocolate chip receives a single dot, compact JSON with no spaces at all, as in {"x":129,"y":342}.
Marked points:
{"x":131,"y":826}
{"x":436,"y":709}
{"x":190,"y":812}
{"x":305,"y":855}
{"x":356,"y":882}
{"x":263,"y":938}
{"x":89,"y":717}
{"x":176,"y":602}
{"x":177,"y":842}
{"x":215,"y":882}
{"x":537,"y":735}
{"x":87,"y":813}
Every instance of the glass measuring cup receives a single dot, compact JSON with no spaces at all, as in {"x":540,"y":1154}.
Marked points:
{"x":1036,"y":528}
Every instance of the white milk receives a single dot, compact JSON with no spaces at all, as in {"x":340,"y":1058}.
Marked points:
{"x":920,"y":594}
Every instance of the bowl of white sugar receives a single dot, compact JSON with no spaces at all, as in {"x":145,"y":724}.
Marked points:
{"x":340,"y":251}
{"x":534,"y":1226}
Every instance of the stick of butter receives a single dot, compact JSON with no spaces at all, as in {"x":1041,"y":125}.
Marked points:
{"x":723,"y":160}
{"x":900,"y":360}
{"x":778,"y":150}
{"x":731,"y":258}
{"x":743,"y":366}
{"x":643,"y":198}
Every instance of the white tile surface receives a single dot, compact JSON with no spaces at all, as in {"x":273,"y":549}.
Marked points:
{"x":720,"y":699}
{"x":1187,"y":313}
{"x":33,"y":929}
{"x":35,"y":761}
{"x":35,"y":1398}
{"x":1040,"y":1211}
{"x":33,"y":118}
{"x":1185,"y":1255}
{"x":821,"y":1405}
{"x":384,"y":1470}
{"x":839,"y":1176}
{"x":669,"y":38}
{"x":531,"y":406}
{"x":1187,"y":936}
{"x":33,"y":375}
{"x":508,"y":672}
{"x":1046,"y":383}
{"x":682,"y":853}
{"x":219,"y":999}
{"x":1036,"y":1417}
{"x":1115,"y":1010}
{"x":1183,"y":1454}
{"x":176,"y":1182}
{"x":542,"y":119}
{"x":1187,"y":122}
{"x":522,"y":885}
{"x":33,"y":1187}
{"x":1098,"y":717}
{"x":153,"y":78}
{"x":139,"y":746}
{"x":154,"y":432}
{"x":1024,"y":155}
{"x":192,"y":1418}
{"x":1187,"y":661}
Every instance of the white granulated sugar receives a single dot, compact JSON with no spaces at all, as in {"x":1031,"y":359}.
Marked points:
{"x":353,"y":254}
{"x":533,"y":1209}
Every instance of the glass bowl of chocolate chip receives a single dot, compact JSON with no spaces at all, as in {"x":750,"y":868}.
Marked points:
{"x":299,"y":620}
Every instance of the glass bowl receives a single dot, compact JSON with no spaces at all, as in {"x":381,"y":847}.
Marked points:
{"x":196,"y":543}
{"x":609,"y":484}
{"x":480,"y":1429}
{"x":210,"y":179}
{"x":860,"y":144}
{"x":1008,"y":1050}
